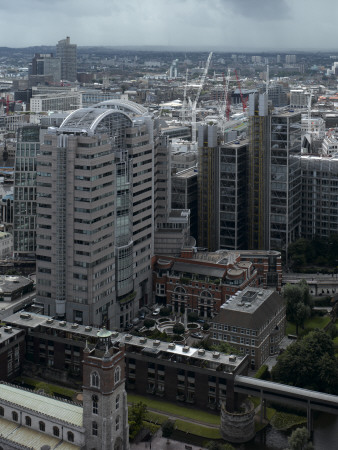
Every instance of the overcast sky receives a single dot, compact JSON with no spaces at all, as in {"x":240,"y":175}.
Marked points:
{"x":228,"y":24}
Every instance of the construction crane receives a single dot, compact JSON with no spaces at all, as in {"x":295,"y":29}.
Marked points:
{"x":224,"y":112}
{"x":309,"y":113}
{"x":184,"y":104}
{"x":267,"y":80}
{"x":194,"y":103}
{"x":240,"y":92}
{"x":227,"y":102}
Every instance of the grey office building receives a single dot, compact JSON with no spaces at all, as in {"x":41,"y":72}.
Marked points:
{"x":67,"y":52}
{"x":27,"y":150}
{"x":95,"y":215}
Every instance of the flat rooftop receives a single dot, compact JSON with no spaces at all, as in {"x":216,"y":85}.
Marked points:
{"x":230,"y":362}
{"x":7,"y":333}
{"x":248,"y":300}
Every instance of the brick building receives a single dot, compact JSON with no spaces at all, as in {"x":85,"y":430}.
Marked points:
{"x":56,"y":349}
{"x":253,"y":321}
{"x":202,"y":281}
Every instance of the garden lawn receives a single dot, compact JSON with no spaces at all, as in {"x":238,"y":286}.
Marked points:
{"x":155,"y":417}
{"x":53,"y":387}
{"x":309,"y":325}
{"x":284,"y":421}
{"x":198,"y":430}
{"x":175,"y":410}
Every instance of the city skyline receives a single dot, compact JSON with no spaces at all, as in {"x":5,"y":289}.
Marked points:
{"x":279,"y":25}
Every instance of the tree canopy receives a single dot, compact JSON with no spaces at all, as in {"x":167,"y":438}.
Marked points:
{"x":300,"y":440}
{"x":168,"y":428}
{"x":298,"y":303}
{"x":318,"y":251}
{"x":309,"y":363}
{"x":137,"y":414}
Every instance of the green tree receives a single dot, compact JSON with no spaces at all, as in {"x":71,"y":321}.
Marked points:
{"x":178,"y":328}
{"x":168,"y":427}
{"x":224,"y":347}
{"x":298,"y":303}
{"x":148,"y":323}
{"x":300,"y":440}
{"x":309,"y":363}
{"x":136,"y":416}
{"x":165,"y":312}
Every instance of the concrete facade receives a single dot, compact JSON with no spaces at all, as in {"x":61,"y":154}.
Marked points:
{"x":95,"y":215}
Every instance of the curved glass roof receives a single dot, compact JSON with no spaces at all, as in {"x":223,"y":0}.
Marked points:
{"x":123,"y":105}
{"x":96,"y":117}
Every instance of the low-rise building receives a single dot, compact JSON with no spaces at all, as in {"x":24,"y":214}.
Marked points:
{"x":6,"y":244}
{"x":32,"y":420}
{"x":56,"y":350}
{"x":12,"y":352}
{"x":201,"y":282}
{"x":252,"y":321}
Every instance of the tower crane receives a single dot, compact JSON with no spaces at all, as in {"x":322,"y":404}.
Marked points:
{"x":184,"y":104}
{"x":309,"y":113}
{"x":240,"y":92}
{"x":194,"y":103}
{"x":225,"y":107}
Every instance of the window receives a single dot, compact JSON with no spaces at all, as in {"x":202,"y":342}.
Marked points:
{"x":15,"y":416}
{"x":56,"y":431}
{"x":117,"y":423}
{"x":95,"y":404}
{"x":117,"y":374}
{"x":117,"y":402}
{"x":28,"y":421}
{"x":42,"y":426}
{"x":70,"y":436}
{"x":2,"y":411}
{"x":94,"y":429}
{"x":95,"y":380}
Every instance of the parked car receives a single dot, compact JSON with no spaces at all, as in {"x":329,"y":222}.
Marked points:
{"x":156,"y":312}
{"x":197,"y":335}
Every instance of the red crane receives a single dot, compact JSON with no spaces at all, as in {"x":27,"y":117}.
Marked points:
{"x":243,"y":100}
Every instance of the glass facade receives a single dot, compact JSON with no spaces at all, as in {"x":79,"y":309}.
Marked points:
{"x":285,"y":199}
{"x":28,"y":147}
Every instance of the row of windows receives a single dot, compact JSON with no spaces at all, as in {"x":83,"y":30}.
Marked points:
{"x":42,"y":425}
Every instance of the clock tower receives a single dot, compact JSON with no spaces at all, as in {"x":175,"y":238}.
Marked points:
{"x":105,"y":410}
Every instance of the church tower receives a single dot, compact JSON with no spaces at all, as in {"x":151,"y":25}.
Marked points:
{"x":105,"y":411}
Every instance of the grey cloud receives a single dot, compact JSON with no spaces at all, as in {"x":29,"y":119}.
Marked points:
{"x":259,"y":9}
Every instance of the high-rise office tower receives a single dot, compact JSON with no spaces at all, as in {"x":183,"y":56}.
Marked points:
{"x":208,"y":192}
{"x":286,"y":183}
{"x":95,"y":215}
{"x":222,"y":191}
{"x":233,"y":189}
{"x":67,"y":52}
{"x":46,"y":64}
{"x":27,"y":150}
{"x":259,"y":173}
